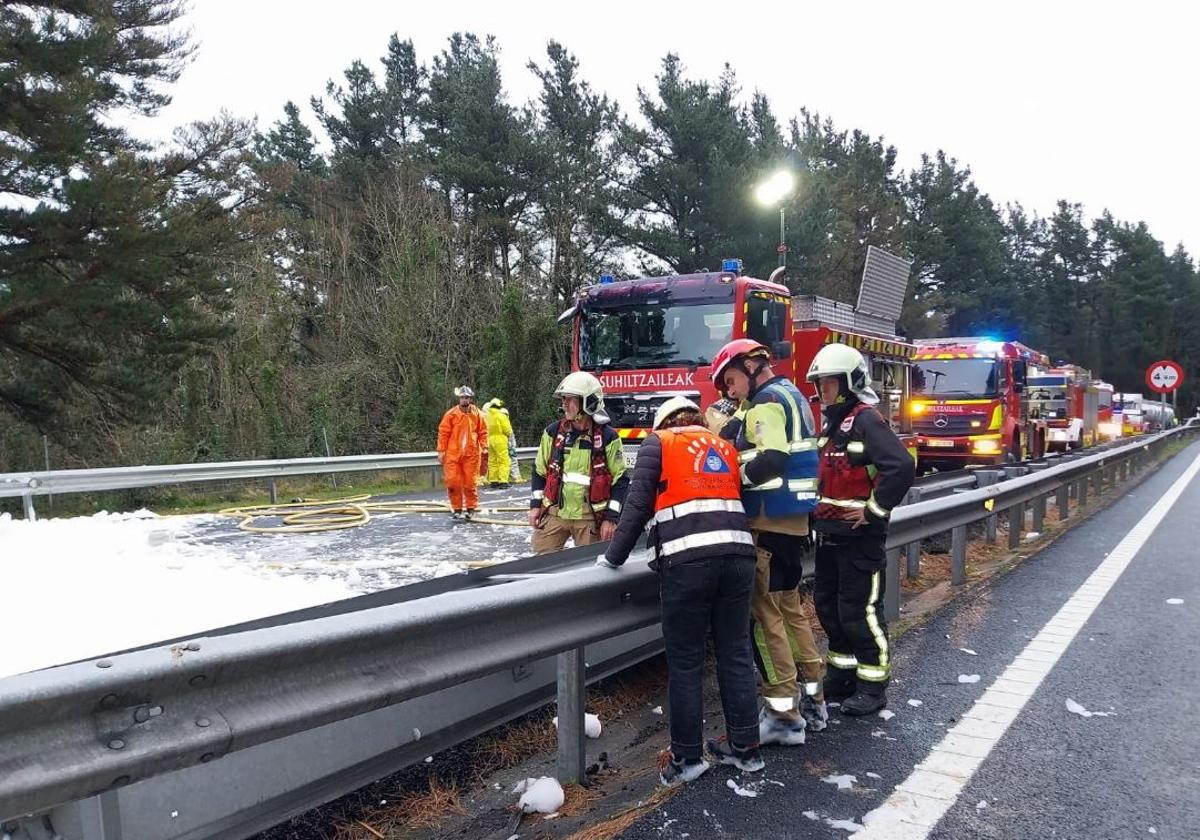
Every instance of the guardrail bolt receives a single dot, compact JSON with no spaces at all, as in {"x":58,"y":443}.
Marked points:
{"x":193,"y":646}
{"x":203,"y":722}
{"x":121,"y":781}
{"x":141,"y":714}
{"x":116,"y":744}
{"x":104,"y":663}
{"x":207,"y":757}
{"x":109,"y":701}
{"x":197,"y":681}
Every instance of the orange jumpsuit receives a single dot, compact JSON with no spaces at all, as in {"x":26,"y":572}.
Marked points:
{"x":462,"y":443}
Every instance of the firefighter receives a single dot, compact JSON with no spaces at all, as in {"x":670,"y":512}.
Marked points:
{"x":499,"y":431}
{"x":462,"y":450}
{"x":864,"y":473}
{"x":774,"y":432}
{"x":579,"y":479}
{"x":686,"y":484}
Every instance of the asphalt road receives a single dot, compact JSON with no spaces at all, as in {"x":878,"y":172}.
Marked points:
{"x":1052,"y":774}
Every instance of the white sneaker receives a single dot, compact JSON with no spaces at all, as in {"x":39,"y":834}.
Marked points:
{"x":773,"y":730}
{"x":672,"y":772}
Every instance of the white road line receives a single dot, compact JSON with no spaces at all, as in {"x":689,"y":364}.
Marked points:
{"x":920,"y":801}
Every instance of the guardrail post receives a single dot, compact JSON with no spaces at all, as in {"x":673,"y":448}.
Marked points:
{"x":912,"y":551}
{"x":571,"y":687}
{"x":1081,"y":490}
{"x":30,"y":513}
{"x":1124,"y":469}
{"x":958,"y":555}
{"x":986,"y":478}
{"x":1016,"y":519}
{"x":891,"y":588}
{"x":1038,"y":507}
{"x":274,"y":491}
{"x":1062,"y":503}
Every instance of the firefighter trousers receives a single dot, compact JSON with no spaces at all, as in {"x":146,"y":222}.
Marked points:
{"x":784,"y":646}
{"x":555,"y":532}
{"x":459,"y":474}
{"x":849,"y":601}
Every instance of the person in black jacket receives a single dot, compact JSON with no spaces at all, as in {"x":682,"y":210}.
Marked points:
{"x":686,"y":483}
{"x":864,"y":472}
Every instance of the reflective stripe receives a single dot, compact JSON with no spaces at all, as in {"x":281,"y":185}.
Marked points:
{"x":614,"y":505}
{"x":797,"y":485}
{"x":846,"y":503}
{"x":699,"y":506}
{"x":845,"y":661}
{"x":880,"y":672}
{"x":747,"y":455}
{"x":856,"y":446}
{"x":704,"y":539}
{"x":806,"y":445}
{"x":577,"y":478}
{"x":780,"y":704}
{"x":812,"y":688}
{"x":773,"y":484}
{"x":872,"y":673}
{"x":797,"y":416}
{"x":821,"y":442}
{"x":876,"y":508}
{"x":538,"y":495}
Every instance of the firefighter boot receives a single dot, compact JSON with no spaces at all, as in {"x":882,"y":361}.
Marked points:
{"x":840,"y":683}
{"x":816,"y":715}
{"x":870,"y":697}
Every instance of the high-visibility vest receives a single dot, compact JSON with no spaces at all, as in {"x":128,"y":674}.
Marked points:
{"x":847,"y":479}
{"x":698,"y":510}
{"x":795,"y":492}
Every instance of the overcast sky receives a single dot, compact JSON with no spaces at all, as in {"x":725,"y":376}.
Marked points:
{"x":1093,"y":102}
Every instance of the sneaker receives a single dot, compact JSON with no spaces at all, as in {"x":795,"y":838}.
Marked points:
{"x":457,"y":516}
{"x":773,"y":730}
{"x":869,"y":698}
{"x":672,"y":771}
{"x":469,"y":515}
{"x":816,"y":715}
{"x":747,"y":760}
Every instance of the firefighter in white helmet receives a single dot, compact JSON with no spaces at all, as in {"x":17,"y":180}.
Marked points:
{"x":864,"y":473}
{"x":579,"y":479}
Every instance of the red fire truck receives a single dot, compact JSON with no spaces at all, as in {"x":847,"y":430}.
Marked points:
{"x":651,"y":339}
{"x":1076,"y":407}
{"x":970,"y":403}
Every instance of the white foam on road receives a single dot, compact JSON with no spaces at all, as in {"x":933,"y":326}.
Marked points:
{"x":921,"y":800}
{"x":91,"y":585}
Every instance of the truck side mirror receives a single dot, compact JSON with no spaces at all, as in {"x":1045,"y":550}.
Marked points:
{"x":781,"y":349}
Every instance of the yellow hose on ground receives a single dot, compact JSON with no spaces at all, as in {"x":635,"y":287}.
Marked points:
{"x":314,"y":516}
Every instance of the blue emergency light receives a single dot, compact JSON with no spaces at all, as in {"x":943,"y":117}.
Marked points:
{"x":734,"y":266}
{"x":607,"y":278}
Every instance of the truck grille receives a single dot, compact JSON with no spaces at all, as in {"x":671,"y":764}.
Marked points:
{"x":629,"y":412}
{"x":953,"y":425}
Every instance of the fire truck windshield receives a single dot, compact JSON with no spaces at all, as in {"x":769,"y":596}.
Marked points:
{"x":954,"y":378}
{"x":653,"y":335}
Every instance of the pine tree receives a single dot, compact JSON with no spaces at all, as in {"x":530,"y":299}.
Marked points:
{"x":694,"y":166}
{"x":576,"y":163}
{"x":961,"y":262}
{"x":480,"y":149}
{"x":109,"y":270}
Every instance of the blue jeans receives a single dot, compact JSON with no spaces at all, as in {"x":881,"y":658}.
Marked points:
{"x":711,"y":592}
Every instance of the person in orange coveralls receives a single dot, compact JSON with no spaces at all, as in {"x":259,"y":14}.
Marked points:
{"x":462,"y":451}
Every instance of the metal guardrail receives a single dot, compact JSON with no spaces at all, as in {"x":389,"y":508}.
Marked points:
{"x":30,"y":484}
{"x":94,"y":728}
{"x":1009,"y":491}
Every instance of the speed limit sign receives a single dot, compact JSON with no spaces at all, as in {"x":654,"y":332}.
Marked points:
{"x":1164,"y":377}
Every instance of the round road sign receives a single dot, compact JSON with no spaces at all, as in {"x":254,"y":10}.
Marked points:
{"x":1164,"y":377}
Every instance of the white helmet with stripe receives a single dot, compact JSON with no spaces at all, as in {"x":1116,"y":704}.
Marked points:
{"x":843,"y":360}
{"x":673,"y":406}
